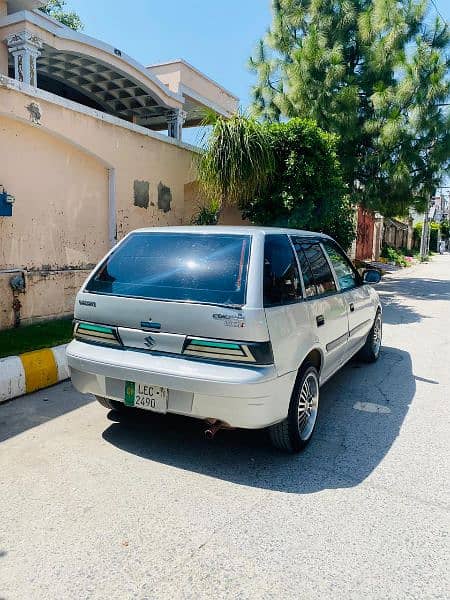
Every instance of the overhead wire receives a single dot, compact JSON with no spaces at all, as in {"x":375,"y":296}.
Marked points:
{"x":438,"y":11}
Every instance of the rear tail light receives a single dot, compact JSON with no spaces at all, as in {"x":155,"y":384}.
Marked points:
{"x":257,"y":353}
{"x":96,"y":334}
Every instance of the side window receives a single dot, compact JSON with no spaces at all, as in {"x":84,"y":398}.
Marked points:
{"x":323,"y":277}
{"x":281,"y":276}
{"x":344,"y":271}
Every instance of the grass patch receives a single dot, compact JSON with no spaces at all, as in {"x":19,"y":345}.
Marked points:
{"x":35,"y":337}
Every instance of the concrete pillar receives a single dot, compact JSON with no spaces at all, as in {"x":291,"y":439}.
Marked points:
{"x":3,"y":48}
{"x":25,"y":48}
{"x":410,"y":242}
{"x":377,"y":236}
{"x":175,"y":122}
{"x":3,"y":59}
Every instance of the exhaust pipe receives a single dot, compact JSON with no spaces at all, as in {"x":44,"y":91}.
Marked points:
{"x":212,"y":430}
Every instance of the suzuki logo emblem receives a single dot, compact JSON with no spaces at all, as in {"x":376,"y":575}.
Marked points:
{"x":149,"y":341}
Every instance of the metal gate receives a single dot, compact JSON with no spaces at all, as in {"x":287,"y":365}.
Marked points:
{"x":364,"y":234}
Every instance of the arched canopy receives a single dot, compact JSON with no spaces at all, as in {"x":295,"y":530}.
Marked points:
{"x":43,"y":53}
{"x":86,"y":70}
{"x":88,"y":80}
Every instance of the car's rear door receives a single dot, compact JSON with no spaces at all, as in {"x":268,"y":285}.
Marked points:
{"x":287,"y":315}
{"x":360,"y":309}
{"x":328,"y":307}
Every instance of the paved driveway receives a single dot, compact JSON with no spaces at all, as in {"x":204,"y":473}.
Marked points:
{"x":146,"y":509}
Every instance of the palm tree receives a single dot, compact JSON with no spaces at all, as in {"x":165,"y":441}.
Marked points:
{"x":237,"y":161}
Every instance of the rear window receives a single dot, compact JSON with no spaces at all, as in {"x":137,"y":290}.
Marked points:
{"x":177,"y":266}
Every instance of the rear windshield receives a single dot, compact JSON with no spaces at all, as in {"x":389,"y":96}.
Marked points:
{"x":209,"y":268}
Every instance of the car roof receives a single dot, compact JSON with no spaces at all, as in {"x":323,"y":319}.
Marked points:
{"x":231,"y":229}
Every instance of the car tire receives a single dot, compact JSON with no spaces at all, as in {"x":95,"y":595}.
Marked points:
{"x":295,"y":432}
{"x":370,"y":352}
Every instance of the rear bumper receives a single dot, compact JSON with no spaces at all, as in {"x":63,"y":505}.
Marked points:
{"x":241,"y":396}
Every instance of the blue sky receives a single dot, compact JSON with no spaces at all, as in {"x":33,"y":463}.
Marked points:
{"x":216,"y":36}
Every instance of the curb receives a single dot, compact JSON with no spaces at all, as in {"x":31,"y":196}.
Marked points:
{"x":32,"y":371}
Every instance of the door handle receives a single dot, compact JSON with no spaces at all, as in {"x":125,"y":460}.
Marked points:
{"x":352,"y":307}
{"x":320,"y":320}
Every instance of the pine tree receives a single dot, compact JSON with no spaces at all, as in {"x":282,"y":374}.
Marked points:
{"x":57,"y":10}
{"x":375,"y":72}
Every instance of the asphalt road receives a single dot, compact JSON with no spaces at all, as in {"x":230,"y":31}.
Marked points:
{"x":147,"y":509}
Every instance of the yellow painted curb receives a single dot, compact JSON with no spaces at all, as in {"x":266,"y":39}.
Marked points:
{"x":40,"y":369}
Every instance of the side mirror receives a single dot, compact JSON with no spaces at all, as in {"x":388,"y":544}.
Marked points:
{"x":371,"y":276}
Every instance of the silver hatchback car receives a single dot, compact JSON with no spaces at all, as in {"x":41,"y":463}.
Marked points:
{"x":237,"y":326}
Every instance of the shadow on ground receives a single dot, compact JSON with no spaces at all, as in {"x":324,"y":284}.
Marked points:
{"x":425,"y":289}
{"x":395,"y":293}
{"x":21,"y":414}
{"x":362,"y":410}
{"x":396,"y":312}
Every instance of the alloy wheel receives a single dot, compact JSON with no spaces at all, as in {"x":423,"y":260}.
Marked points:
{"x":377,"y":335}
{"x":308,"y":406}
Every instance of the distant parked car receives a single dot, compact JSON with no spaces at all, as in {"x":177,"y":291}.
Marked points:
{"x":238,"y":326}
